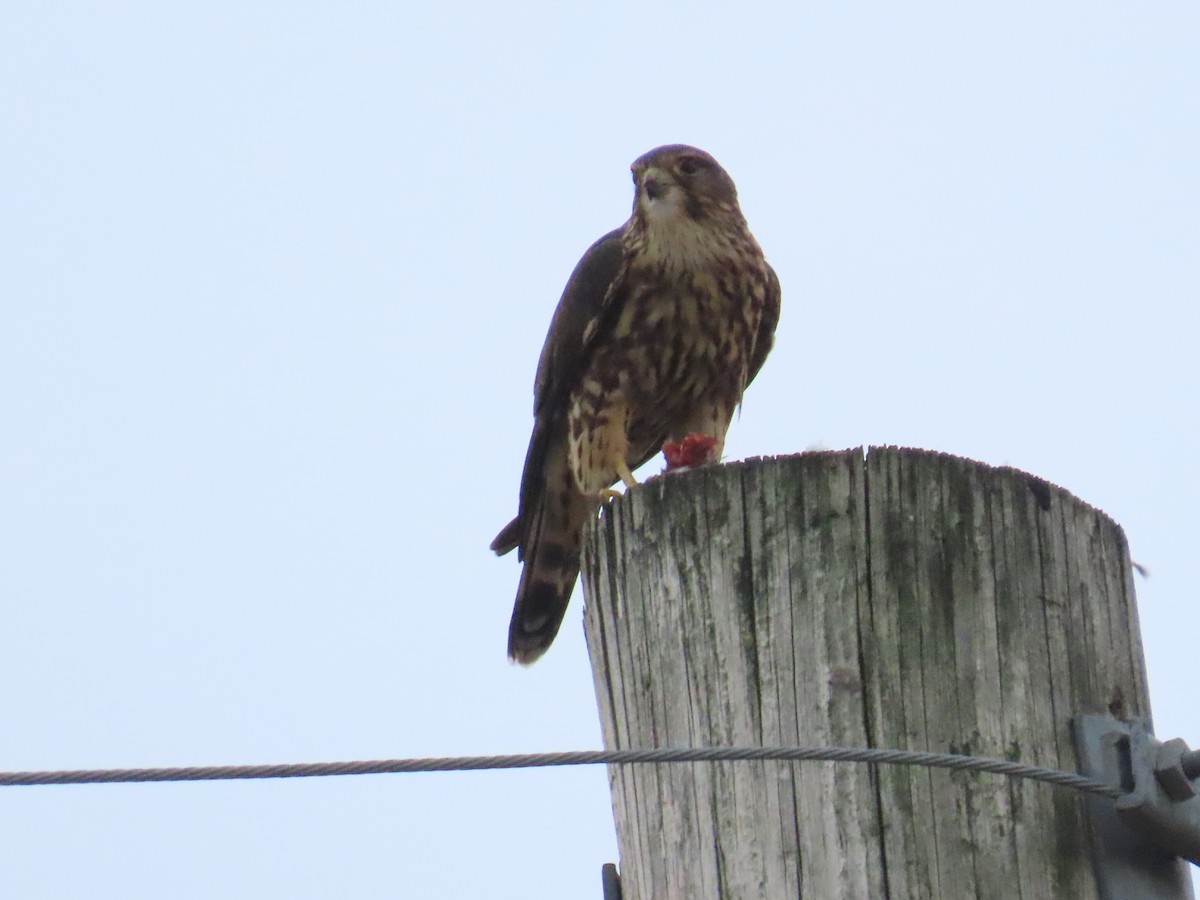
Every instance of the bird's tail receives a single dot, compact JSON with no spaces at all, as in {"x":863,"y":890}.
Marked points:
{"x":550,"y":548}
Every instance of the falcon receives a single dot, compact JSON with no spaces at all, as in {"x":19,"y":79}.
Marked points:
{"x":662,"y":325}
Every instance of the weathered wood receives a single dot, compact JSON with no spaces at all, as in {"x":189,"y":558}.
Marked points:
{"x":910,"y":600}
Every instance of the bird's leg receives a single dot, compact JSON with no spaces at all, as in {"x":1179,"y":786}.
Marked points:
{"x":625,"y":475}
{"x":609,"y":494}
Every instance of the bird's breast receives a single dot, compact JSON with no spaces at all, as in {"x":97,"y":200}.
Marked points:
{"x":685,"y":337}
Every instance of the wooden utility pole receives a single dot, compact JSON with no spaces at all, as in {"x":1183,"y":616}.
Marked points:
{"x":909,"y":600}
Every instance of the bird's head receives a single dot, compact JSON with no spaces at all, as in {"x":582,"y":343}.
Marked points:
{"x":678,"y":184}
{"x":685,"y":208}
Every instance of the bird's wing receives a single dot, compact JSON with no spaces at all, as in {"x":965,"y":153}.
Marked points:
{"x":583,"y":301}
{"x":765,"y":339}
{"x":573,"y":329}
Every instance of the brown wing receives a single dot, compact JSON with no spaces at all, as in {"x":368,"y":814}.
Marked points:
{"x":560,"y":367}
{"x":765,"y":339}
{"x":582,"y":302}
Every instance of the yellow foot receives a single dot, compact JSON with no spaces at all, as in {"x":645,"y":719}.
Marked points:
{"x":625,"y":475}
{"x":609,"y":494}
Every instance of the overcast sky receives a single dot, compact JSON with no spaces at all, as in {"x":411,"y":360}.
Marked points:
{"x":274,"y":278}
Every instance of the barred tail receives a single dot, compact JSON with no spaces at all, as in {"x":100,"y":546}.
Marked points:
{"x":542,"y":599}
{"x":550,"y":549}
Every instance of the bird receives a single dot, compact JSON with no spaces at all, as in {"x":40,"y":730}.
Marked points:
{"x":661,"y":326}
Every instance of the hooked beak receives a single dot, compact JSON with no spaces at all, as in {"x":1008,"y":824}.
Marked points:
{"x":655,"y":184}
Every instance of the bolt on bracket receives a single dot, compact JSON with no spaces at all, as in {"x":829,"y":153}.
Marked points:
{"x":1145,"y":834}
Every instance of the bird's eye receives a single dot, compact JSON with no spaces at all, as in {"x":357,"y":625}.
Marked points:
{"x":690,"y":165}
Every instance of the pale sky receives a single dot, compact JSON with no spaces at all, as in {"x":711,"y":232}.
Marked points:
{"x":274,"y":278}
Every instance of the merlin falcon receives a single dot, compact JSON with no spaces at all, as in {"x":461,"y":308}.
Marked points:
{"x":661,"y":327}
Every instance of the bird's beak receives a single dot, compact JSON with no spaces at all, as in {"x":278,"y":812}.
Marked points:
{"x":655,"y":183}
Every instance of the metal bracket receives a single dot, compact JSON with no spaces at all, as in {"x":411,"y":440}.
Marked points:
{"x":611,"y":881}
{"x":1142,"y":837}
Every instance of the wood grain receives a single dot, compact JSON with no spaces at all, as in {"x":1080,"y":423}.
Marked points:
{"x":908,"y":600}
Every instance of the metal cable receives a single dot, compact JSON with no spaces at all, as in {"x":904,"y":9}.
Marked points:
{"x":573,"y":758}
